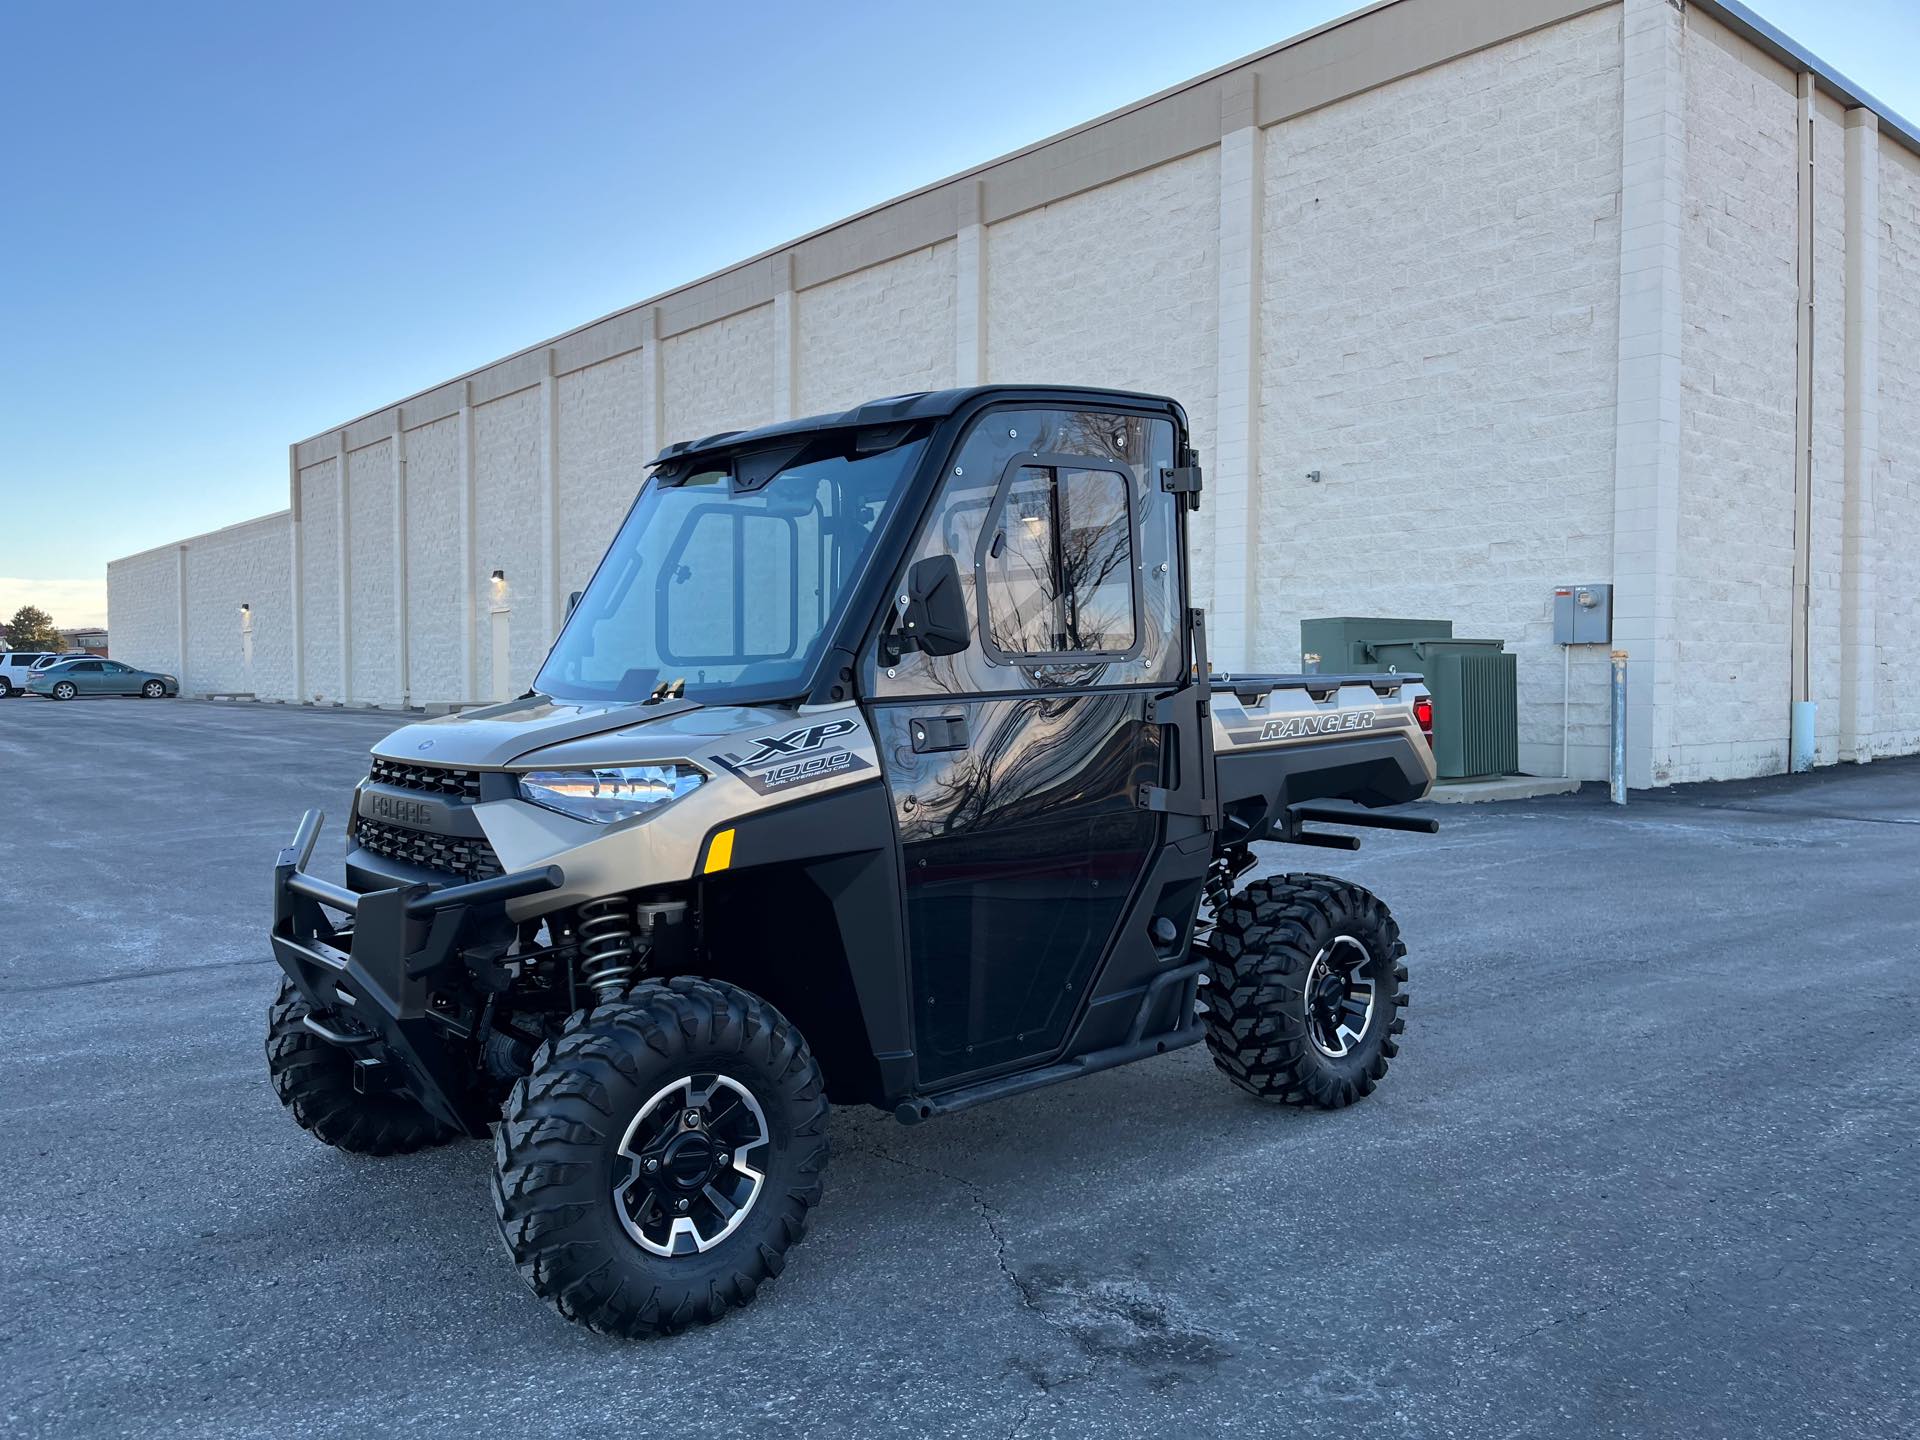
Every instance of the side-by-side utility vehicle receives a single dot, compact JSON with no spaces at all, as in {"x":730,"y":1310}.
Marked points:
{"x":879,"y":762}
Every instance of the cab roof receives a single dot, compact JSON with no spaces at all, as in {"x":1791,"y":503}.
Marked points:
{"x":904,"y":410}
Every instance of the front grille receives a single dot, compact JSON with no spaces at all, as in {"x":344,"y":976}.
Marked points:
{"x":469,"y":859}
{"x":428,"y":779}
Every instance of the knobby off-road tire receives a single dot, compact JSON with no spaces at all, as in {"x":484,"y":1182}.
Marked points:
{"x":571,"y":1150}
{"x":1285,"y":950}
{"x":314,"y":1080}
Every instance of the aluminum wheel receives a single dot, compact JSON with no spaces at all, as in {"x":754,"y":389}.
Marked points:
{"x":691,"y":1184}
{"x":1339,"y":997}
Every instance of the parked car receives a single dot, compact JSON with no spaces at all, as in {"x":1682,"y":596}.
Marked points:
{"x":70,"y":678}
{"x":55,"y":657}
{"x":15,"y":665}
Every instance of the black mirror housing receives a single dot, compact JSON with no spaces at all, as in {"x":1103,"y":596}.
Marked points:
{"x":935,"y":620}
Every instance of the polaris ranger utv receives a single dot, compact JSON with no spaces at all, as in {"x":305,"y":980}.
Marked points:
{"x":879,"y":762}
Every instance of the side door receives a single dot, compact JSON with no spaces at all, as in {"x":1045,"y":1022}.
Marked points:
{"x":87,"y":677}
{"x":117,"y":679}
{"x":1017,"y":767}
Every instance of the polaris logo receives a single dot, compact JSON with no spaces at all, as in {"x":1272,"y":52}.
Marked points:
{"x":396,"y":811}
{"x":1298,"y":727}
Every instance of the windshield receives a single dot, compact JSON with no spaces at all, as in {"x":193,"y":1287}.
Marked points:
{"x":730,"y":592}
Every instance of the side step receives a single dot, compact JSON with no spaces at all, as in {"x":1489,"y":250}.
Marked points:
{"x":915,"y":1108}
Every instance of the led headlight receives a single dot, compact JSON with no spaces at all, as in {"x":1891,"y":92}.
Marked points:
{"x":612,"y":792}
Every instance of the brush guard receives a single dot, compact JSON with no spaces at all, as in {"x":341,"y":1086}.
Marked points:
{"x":392,"y":973}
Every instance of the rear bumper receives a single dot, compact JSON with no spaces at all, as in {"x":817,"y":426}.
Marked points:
{"x":390,"y":977}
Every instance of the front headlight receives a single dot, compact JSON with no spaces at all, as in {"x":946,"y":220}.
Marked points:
{"x":612,"y":792}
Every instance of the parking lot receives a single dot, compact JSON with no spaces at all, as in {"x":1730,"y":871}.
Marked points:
{"x":1647,"y":1163}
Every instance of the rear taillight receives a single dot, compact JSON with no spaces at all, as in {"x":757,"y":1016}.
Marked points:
{"x":1423,"y":713}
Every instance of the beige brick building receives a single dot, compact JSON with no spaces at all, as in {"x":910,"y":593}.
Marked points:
{"x":1536,"y":292}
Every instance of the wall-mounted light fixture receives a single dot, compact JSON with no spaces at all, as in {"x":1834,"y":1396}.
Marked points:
{"x":246,"y":609}
{"x":499,"y":577}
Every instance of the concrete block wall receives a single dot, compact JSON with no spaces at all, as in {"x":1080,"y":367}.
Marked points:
{"x":373,"y":635}
{"x":1740,"y":289}
{"x":143,"y":609}
{"x":1519,"y":279}
{"x":437,"y":589}
{"x":320,"y":539}
{"x":178,"y":609}
{"x":1438,"y":343}
{"x":232,"y":650}
{"x":884,"y":330}
{"x":1894,"y":551}
{"x":1828,"y":437}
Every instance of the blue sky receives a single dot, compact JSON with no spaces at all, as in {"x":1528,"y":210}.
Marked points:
{"x":225,"y":227}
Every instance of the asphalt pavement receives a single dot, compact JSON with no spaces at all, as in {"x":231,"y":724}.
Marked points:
{"x":1647,"y":1163}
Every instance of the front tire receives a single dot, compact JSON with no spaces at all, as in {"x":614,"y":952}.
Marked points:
{"x":153,"y":690}
{"x":1306,"y":990}
{"x":314,"y":1080}
{"x":660,"y":1160}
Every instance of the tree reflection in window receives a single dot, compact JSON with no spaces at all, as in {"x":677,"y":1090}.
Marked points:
{"x":1059,"y":564}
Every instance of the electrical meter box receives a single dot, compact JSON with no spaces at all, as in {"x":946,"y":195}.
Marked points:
{"x":1583,"y":615}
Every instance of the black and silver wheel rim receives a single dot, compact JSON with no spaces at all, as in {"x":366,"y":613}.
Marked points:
{"x":1340,"y":997}
{"x":692,"y":1181}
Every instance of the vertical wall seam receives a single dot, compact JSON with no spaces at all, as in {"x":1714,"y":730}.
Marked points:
{"x":549,"y":500}
{"x":343,"y":545}
{"x":652,"y":420}
{"x":297,"y":559}
{"x":469,"y":552}
{"x":969,"y":288}
{"x":1646,"y":478}
{"x":1859,"y":719}
{"x":1800,"y":683}
{"x":1235,"y":464}
{"x":180,"y":601}
{"x":403,"y":686}
{"x":786,"y":340}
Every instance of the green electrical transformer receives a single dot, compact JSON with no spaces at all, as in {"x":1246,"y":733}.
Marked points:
{"x":1475,"y":683}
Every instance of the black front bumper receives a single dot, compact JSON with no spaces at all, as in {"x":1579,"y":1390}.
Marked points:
{"x":391,"y":979}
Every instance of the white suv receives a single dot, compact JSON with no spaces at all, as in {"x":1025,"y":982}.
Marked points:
{"x":14,"y":665}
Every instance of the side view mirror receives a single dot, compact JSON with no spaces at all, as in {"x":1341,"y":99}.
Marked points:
{"x":935,"y":620}
{"x":573,"y":601}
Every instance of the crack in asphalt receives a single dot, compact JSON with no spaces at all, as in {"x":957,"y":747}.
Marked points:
{"x":989,"y":1216}
{"x":157,"y":972}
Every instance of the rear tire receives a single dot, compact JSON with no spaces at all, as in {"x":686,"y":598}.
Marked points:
{"x":1306,"y":990}
{"x":64,"y":690}
{"x":314,"y":1080}
{"x":6,"y":688}
{"x":717,"y":1090}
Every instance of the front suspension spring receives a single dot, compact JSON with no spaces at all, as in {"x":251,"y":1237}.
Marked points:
{"x":607,"y":946}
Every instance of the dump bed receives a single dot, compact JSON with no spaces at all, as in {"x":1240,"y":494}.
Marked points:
{"x":1285,"y":740}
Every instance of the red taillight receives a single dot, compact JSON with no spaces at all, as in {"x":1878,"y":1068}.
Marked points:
{"x":1423,"y":712}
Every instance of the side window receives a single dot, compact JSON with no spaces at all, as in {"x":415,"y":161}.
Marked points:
{"x":1056,"y":562}
{"x":88,"y":667}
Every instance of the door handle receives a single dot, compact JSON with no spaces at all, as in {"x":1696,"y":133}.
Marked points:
{"x":933,"y":733}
